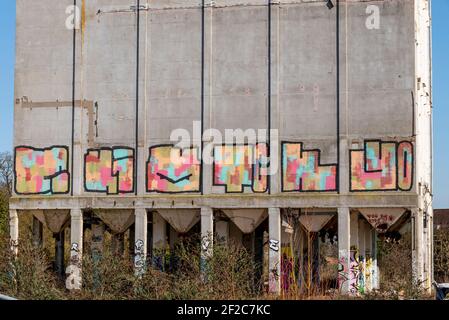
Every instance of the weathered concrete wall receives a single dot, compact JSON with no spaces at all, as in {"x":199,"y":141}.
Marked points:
{"x":342,"y":101}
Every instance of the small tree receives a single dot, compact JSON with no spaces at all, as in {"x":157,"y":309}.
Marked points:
{"x":6,"y":176}
{"x":6,"y":171}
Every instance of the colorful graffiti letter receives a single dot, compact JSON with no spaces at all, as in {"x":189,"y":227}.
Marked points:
{"x":109,"y":170}
{"x":239,"y":166}
{"x":303,"y":172}
{"x":405,"y":166}
{"x":173,"y":170}
{"x":41,"y":171}
{"x":382,"y":166}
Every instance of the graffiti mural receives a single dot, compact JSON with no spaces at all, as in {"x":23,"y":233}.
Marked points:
{"x":303,"y":172}
{"x":109,"y":170}
{"x":41,"y":171}
{"x":173,"y":170}
{"x":240,"y":166}
{"x":382,"y":166}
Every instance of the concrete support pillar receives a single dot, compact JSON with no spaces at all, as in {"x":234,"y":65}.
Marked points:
{"x":38,"y":232}
{"x":354,"y":261}
{"x":374,"y":269}
{"x":429,"y":246}
{"x":427,"y":252}
{"x":73,"y":281}
{"x":274,"y":229}
{"x":362,"y":256}
{"x":140,"y":248}
{"x":207,"y":232}
{"x":368,"y":257}
{"x":14,"y":230}
{"x":159,"y":240}
{"x":417,"y":246}
{"x":59,"y":253}
{"x":343,"y":249}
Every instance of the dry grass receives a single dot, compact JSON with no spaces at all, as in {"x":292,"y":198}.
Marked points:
{"x":441,"y":256}
{"x":227,"y":275}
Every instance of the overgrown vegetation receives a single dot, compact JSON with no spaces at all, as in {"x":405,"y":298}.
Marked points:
{"x":227,"y":275}
{"x":396,"y":280}
{"x":441,"y":256}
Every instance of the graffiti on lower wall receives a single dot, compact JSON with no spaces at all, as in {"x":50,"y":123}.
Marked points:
{"x":173,"y":170}
{"x":109,"y":170}
{"x":343,"y":271}
{"x":361,"y":283}
{"x":382,"y":166}
{"x":287,"y":269}
{"x":380,"y":221}
{"x":41,"y":171}
{"x":355,"y":272}
{"x":303,"y":172}
{"x":240,"y":166}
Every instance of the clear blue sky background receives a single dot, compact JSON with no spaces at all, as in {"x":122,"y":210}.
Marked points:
{"x":440,"y":90}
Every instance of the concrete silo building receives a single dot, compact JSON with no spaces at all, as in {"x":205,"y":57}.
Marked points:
{"x":341,"y":91}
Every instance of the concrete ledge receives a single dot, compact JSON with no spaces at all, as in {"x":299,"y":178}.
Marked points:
{"x":318,"y":200}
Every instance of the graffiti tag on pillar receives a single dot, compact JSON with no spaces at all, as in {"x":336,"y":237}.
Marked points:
{"x":274,"y":245}
{"x":354,"y":272}
{"x":139,"y":258}
{"x":75,"y":248}
{"x":73,"y":281}
{"x":205,"y":243}
{"x":343,"y":273}
{"x":273,"y":279}
{"x":73,"y":271}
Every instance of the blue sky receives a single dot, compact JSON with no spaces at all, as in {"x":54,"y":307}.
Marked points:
{"x":440,"y":90}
